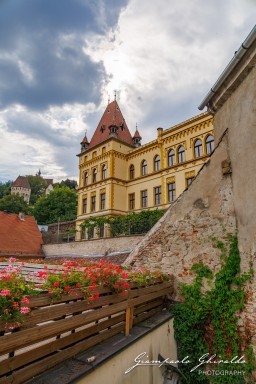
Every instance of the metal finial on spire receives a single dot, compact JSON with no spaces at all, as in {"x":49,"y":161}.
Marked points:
{"x":115,"y":94}
{"x":136,"y":126}
{"x":108,"y":99}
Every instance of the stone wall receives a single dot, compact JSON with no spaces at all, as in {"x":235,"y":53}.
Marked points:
{"x":93,"y":247}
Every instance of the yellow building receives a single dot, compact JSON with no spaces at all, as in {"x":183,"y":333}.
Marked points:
{"x":118,"y":175}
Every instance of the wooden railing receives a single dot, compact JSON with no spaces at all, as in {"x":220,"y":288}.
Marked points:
{"x":56,"y":331}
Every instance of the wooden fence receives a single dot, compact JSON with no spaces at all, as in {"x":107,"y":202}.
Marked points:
{"x":54,"y":332}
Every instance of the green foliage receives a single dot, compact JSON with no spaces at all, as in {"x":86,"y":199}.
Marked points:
{"x":66,"y":183}
{"x":14,"y":203}
{"x":207,"y":322}
{"x":133,"y":223}
{"x":5,"y":188}
{"x":60,"y":204}
{"x":38,"y":186}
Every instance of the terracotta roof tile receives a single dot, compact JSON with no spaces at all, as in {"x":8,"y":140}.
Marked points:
{"x":19,"y":237}
{"x":85,"y":140}
{"x":137,"y":135}
{"x":111,"y":116}
{"x":21,"y":181}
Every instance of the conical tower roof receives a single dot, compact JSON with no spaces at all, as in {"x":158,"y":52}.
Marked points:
{"x":85,"y":140}
{"x":111,"y":117}
{"x":137,"y":135}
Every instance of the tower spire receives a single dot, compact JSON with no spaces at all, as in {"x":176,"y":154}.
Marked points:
{"x":137,"y":137}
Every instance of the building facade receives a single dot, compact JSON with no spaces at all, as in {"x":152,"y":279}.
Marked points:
{"x":118,"y":175}
{"x":22,"y":188}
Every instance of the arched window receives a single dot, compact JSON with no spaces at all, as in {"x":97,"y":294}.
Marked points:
{"x":94,"y":175}
{"x":181,"y":155}
{"x":157,"y":163}
{"x":103,"y":172}
{"x":132,"y":171}
{"x":171,"y":158}
{"x":209,"y":144}
{"x":198,"y":148}
{"x":144,"y":168}
{"x":86,"y":178}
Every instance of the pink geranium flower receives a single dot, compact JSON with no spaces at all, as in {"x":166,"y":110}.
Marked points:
{"x":24,"y":310}
{"x":5,"y":292}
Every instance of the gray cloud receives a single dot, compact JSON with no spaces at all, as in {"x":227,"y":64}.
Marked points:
{"x":41,"y":58}
{"x":59,"y":61}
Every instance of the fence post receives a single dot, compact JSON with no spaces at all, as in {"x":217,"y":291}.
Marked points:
{"x":128,"y":318}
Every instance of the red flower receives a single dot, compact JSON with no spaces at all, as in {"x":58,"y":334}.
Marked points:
{"x":67,"y":288}
{"x":123,"y":293}
{"x":78,"y":285}
{"x":15,"y":304}
{"x":25,"y":300}
{"x":56,"y":284}
{"x":91,"y":298}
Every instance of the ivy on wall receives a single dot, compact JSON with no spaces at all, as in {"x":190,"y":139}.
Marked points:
{"x":131,"y":224}
{"x":206,"y":324}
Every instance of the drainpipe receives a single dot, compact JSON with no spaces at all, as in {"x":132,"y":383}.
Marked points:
{"x":232,"y":64}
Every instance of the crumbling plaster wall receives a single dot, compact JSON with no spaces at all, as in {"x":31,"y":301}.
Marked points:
{"x":238,"y":114}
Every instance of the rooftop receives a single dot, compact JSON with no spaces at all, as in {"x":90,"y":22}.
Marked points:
{"x":19,"y":236}
{"x":21,"y":181}
{"x":111,"y":117}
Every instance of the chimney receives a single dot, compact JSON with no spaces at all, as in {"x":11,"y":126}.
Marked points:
{"x":22,"y":216}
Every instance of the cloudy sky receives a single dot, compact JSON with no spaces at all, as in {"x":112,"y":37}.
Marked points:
{"x":60,"y":61}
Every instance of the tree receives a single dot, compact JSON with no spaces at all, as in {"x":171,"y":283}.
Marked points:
{"x":60,"y":204}
{"x":68,"y":183}
{"x":38,"y":186}
{"x":5,"y":188}
{"x":14,"y":203}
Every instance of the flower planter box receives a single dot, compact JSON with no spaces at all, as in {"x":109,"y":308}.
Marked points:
{"x":56,"y":331}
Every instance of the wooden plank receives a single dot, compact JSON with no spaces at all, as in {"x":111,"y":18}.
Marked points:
{"x":36,"y":368}
{"x":131,"y":318}
{"x":30,"y":356}
{"x":127,"y":321}
{"x":151,"y":296}
{"x":11,"y":342}
{"x":44,"y":299}
{"x":147,"y":315}
{"x":38,"y":316}
{"x":147,"y":290}
{"x":146,"y":307}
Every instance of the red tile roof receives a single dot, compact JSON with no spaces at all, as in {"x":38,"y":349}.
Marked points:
{"x":19,"y":237}
{"x":136,"y":134}
{"x":21,"y":181}
{"x":85,"y":140}
{"x":111,"y":116}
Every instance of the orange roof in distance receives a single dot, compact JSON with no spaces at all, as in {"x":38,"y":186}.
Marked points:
{"x":19,"y":237}
{"x":21,"y":181}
